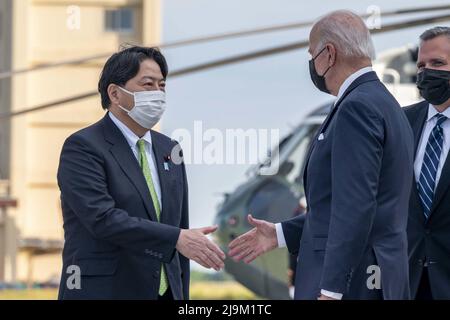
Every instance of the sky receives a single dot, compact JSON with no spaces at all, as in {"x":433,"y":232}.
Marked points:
{"x":268,"y":93}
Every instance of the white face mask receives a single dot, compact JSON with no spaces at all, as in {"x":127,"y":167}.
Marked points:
{"x":148,"y":109}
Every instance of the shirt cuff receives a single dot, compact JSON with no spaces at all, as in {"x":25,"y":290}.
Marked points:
{"x":329,"y":294}
{"x":280,"y":236}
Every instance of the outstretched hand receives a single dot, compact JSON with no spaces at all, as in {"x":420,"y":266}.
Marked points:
{"x":194,"y":245}
{"x":261,"y":239}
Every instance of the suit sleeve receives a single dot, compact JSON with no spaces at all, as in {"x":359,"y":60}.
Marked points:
{"x":357,"y":153}
{"x":292,"y":230}
{"x":83,"y":184}
{"x":184,"y":262}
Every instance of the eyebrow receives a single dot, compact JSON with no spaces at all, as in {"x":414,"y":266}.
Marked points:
{"x":439,"y":59}
{"x":152,"y":78}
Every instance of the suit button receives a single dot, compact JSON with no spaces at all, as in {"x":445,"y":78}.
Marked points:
{"x":427,"y":231}
{"x":156,"y":275}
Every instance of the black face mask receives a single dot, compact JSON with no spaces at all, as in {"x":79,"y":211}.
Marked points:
{"x":434,"y":85}
{"x":318,"y":80}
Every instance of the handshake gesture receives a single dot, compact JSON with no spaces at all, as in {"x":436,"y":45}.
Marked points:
{"x":259,"y":240}
{"x":194,"y":245}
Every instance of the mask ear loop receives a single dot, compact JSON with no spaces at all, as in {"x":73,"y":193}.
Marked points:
{"x":326,"y":71}
{"x":130,"y":93}
{"x":126,"y":91}
{"x":317,"y":55}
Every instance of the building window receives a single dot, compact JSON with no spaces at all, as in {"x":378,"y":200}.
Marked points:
{"x":119,"y":20}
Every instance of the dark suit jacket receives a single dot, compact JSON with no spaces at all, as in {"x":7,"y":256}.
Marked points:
{"x":110,"y":226}
{"x":429,"y":240}
{"x":357,"y":184}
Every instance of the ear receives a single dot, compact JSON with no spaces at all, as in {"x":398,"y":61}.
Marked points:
{"x":113,"y":94}
{"x":332,"y":57}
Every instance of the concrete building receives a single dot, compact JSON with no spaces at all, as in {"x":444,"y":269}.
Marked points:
{"x":35,"y":32}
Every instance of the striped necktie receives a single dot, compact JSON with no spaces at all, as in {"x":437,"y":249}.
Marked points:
{"x":427,"y":180}
{"x":143,"y":161}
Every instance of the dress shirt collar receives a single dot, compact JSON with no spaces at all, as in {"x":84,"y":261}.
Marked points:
{"x":129,"y":135}
{"x":432,"y":112}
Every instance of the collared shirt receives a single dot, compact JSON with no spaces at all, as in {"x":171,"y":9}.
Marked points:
{"x":428,"y":127}
{"x":132,"y":140}
{"x":279,"y":230}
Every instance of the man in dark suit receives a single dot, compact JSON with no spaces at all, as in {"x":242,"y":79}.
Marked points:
{"x":352,"y":242}
{"x":124,"y":199}
{"x":429,"y":209}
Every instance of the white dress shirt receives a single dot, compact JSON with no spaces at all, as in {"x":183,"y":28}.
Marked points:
{"x":132,"y":140}
{"x":428,"y":127}
{"x":280,"y":235}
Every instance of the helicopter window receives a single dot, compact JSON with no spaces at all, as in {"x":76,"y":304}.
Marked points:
{"x":273,"y":201}
{"x":278,"y":197}
{"x":404,"y":66}
{"x":292,"y":169}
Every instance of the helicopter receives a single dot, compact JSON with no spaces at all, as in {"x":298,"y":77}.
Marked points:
{"x":280,"y":196}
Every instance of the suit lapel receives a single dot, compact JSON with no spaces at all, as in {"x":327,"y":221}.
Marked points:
{"x":417,"y":124}
{"x":162,"y":152}
{"x":370,"y":76}
{"x":127,"y":161}
{"x":313,"y":143}
{"x":443,"y":184}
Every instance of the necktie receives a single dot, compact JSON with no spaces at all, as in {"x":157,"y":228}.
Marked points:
{"x":433,"y":150}
{"x":143,"y":162}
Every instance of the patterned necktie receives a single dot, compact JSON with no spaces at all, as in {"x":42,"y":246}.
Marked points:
{"x":143,"y":162}
{"x":427,"y":180}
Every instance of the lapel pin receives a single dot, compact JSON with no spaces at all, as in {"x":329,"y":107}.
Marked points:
{"x":166,"y":162}
{"x":321,"y":137}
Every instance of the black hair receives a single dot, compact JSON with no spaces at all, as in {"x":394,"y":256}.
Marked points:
{"x":124,"y":65}
{"x":435,"y":32}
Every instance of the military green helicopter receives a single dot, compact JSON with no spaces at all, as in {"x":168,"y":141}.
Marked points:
{"x":281,"y":196}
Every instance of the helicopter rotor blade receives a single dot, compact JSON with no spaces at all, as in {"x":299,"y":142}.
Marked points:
{"x":217,"y":37}
{"x":238,"y":59}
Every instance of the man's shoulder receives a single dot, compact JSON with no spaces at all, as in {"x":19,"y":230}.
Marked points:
{"x":366,"y":98}
{"x":88,"y":134}
{"x":416,"y":107}
{"x":374,"y":97}
{"x":374,"y":91}
{"x":165,"y":140}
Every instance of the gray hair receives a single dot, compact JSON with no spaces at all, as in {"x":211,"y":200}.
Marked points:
{"x":347,"y":32}
{"x":435,"y":32}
